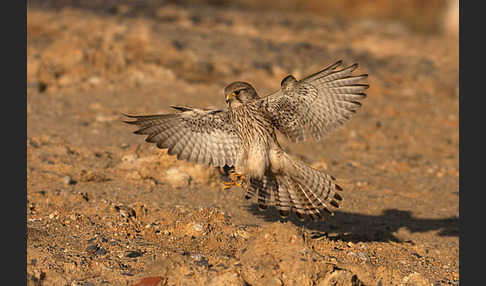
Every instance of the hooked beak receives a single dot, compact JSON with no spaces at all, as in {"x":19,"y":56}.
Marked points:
{"x":229,"y":97}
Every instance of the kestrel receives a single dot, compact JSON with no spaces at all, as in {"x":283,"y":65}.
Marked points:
{"x":243,"y":136}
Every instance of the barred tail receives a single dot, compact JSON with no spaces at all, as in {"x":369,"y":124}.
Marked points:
{"x":300,"y":188}
{"x":312,"y":190}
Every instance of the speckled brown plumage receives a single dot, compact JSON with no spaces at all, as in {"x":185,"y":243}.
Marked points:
{"x":244,"y":136}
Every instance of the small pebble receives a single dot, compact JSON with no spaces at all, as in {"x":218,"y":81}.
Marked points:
{"x":100,"y":251}
{"x":68,"y":180}
{"x":203,"y":261}
{"x":91,"y":249}
{"x":197,"y":227}
{"x":361,"y":256}
{"x":126,"y":211}
{"x":124,"y":145}
{"x":133,"y":254}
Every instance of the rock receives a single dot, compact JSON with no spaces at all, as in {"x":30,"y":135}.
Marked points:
{"x":192,"y":229}
{"x":91,"y":249}
{"x":149,"y":281}
{"x":94,"y":80}
{"x":125,"y":211}
{"x":54,"y":215}
{"x":134,"y":175}
{"x":38,"y":277}
{"x":340,"y":278}
{"x":100,"y":251}
{"x":415,"y":279}
{"x":197,"y":227}
{"x":133,"y":254}
{"x":68,"y":180}
{"x":200,"y":260}
{"x":361,"y":256}
{"x":177,"y":178}
{"x":124,"y":145}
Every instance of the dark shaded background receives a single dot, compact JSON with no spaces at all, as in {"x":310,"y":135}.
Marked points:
{"x":422,"y":16}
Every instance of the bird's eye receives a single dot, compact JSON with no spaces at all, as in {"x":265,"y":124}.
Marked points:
{"x":237,"y":92}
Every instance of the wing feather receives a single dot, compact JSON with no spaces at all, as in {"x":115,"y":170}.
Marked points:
{"x":317,"y":104}
{"x":196,"y":135}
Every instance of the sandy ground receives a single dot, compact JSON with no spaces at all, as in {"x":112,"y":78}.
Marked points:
{"x":106,"y":208}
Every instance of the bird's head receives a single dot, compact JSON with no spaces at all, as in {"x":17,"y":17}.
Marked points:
{"x":239,"y":92}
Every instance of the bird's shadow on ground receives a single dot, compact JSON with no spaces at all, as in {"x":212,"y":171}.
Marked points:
{"x":357,"y":227}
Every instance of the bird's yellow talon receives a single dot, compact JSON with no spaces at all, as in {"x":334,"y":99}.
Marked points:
{"x":235,"y":179}
{"x":227,"y":185}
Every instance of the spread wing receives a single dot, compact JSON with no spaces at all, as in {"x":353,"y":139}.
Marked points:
{"x":317,"y":104}
{"x":195,"y":135}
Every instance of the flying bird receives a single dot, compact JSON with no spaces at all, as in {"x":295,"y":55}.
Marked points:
{"x":243,"y":137}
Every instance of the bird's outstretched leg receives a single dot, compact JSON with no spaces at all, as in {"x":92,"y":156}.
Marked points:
{"x":235,"y":179}
{"x":231,"y":178}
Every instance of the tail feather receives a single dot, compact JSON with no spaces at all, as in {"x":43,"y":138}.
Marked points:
{"x":264,"y":189}
{"x":283,"y":199}
{"x":271,"y":190}
{"x":310,"y":207}
{"x":322,"y":188}
{"x":301,"y":189}
{"x":295,"y":198}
